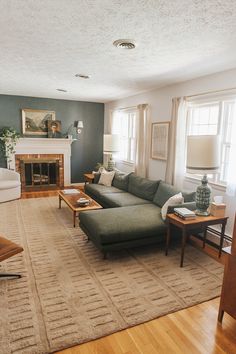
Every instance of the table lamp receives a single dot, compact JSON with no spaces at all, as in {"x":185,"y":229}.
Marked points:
{"x":110,"y":145}
{"x":203,"y":158}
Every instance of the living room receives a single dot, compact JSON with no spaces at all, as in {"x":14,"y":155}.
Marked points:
{"x":106,"y":276}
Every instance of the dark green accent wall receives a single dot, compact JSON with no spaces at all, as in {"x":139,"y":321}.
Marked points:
{"x":86,"y":151}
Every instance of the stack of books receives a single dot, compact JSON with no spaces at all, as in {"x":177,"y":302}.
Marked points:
{"x":83,"y":201}
{"x":185,"y":213}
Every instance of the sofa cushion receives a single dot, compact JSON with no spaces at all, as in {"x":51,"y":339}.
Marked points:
{"x":121,"y":181}
{"x":174,"y":200}
{"x":113,"y":200}
{"x":98,"y":189}
{"x":189,"y":197}
{"x":96,"y":177}
{"x":142,"y":187}
{"x":9,"y":184}
{"x":110,"y":226}
{"x":106,"y":178}
{"x":163,"y":193}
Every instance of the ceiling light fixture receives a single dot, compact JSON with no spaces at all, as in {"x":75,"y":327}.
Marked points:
{"x":82,"y":76}
{"x":125,"y":43}
{"x":61,"y":90}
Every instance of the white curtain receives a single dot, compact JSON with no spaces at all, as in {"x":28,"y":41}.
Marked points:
{"x":143,"y":141}
{"x":231,"y":177}
{"x":175,"y":169}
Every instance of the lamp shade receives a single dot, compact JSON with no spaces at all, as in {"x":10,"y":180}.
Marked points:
{"x":111,"y":143}
{"x":203,"y":154}
{"x":80,"y":124}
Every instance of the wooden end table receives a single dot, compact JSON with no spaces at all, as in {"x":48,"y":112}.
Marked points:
{"x":201,"y":222}
{"x":71,"y":201}
{"x":88,"y":177}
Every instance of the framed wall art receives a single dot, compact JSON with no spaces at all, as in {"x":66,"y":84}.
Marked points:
{"x":159,"y":145}
{"x":54,"y":129}
{"x":35,"y":121}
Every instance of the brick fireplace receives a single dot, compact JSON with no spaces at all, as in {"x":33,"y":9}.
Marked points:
{"x":40,"y":171}
{"x":43,"y":163}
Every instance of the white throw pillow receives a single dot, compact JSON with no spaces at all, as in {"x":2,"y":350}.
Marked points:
{"x":106,"y":178}
{"x":175,"y":199}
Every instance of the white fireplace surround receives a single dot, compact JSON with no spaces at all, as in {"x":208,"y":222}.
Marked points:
{"x":46,"y":146}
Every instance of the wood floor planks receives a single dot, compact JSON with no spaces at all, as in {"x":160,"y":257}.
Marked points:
{"x":192,"y":331}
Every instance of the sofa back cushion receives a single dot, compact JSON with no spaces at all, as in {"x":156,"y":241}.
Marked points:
{"x":142,"y":187}
{"x":121,"y":181}
{"x":163,"y":193}
{"x":189,"y":197}
{"x":96,"y":177}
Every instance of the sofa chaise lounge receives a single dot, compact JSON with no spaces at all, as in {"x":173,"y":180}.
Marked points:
{"x":132,"y":212}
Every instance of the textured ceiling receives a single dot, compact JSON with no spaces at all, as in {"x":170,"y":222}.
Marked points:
{"x":43,"y":44}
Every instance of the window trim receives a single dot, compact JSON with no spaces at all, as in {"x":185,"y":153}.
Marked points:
{"x":197,"y":181}
{"x":130,"y":111}
{"x":220,"y":100}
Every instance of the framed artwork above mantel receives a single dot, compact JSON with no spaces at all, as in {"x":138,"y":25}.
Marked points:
{"x":159,"y":144}
{"x":35,"y":121}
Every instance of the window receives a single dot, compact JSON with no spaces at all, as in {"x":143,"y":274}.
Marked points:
{"x":124,"y":124}
{"x":211,"y":119}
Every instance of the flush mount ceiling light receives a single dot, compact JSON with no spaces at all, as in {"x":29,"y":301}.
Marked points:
{"x":125,"y":43}
{"x":61,"y":90}
{"x":82,"y":76}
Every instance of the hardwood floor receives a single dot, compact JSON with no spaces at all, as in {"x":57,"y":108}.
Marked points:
{"x":41,"y":194}
{"x":189,"y":331}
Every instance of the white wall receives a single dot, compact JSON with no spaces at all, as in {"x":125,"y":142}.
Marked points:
{"x":160,"y":106}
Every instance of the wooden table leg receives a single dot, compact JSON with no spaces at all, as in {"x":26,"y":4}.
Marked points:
{"x":222,"y":237}
{"x":204,"y":237}
{"x":184,"y":238}
{"x":60,"y":202}
{"x":168,"y":237}
{"x":74,"y":217}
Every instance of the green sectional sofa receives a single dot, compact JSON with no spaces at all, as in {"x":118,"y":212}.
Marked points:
{"x":132,"y":212}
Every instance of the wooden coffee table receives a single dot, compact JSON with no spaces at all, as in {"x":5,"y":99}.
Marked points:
{"x":71,"y":201}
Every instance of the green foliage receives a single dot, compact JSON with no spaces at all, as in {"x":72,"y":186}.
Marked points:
{"x":8,"y":140}
{"x":99,"y":165}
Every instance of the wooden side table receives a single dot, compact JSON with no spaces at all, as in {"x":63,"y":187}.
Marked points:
{"x":201,"y":222}
{"x":88,"y":177}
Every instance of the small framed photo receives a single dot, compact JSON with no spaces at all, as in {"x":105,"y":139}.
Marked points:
{"x":159,"y":145}
{"x":54,"y":129}
{"x":34,"y":121}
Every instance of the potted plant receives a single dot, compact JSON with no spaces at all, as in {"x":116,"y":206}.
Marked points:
{"x":8,"y":140}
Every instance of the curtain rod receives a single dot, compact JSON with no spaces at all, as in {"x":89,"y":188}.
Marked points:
{"x":211,"y":92}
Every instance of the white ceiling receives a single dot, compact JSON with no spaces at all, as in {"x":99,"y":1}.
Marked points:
{"x":44,"y":43}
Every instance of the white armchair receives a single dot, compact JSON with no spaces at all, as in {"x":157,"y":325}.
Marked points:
{"x":10,"y":185}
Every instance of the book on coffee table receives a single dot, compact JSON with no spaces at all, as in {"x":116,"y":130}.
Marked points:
{"x":71,"y":191}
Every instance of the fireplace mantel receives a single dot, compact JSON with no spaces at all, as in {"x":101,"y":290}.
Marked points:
{"x":46,"y":146}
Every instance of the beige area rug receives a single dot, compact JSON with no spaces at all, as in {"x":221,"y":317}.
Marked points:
{"x":68,"y":294}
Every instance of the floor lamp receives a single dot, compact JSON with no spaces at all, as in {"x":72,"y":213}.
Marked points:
{"x":203,"y":158}
{"x":110,"y":145}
